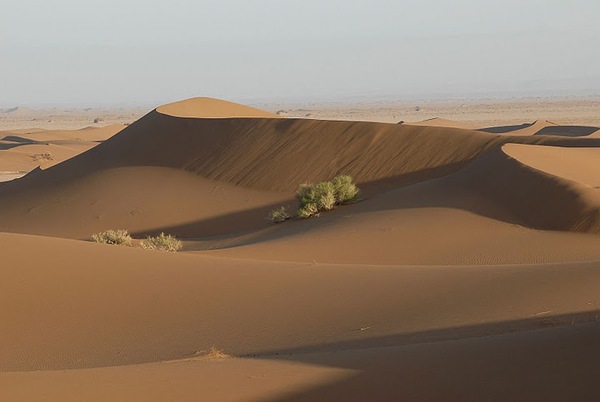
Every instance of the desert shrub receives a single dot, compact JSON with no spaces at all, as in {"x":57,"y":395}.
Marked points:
{"x":324,"y":196}
{"x":279,"y":215}
{"x":344,"y":189}
{"x":161,"y":242}
{"x":307,"y":210}
{"x":43,"y":157}
{"x":118,"y":237}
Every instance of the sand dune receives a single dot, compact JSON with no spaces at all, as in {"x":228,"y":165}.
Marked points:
{"x":521,"y":129}
{"x":470,"y":262}
{"x":575,"y":164}
{"x":264,"y":154}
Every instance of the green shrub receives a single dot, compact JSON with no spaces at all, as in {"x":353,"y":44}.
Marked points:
{"x":307,"y":210}
{"x":325,"y":195}
{"x":344,"y":189}
{"x":279,"y":215}
{"x":161,"y":242}
{"x":118,"y":237}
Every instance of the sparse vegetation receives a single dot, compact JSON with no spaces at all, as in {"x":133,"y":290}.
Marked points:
{"x":118,"y":237}
{"x":213,"y":354}
{"x":162,"y":242}
{"x":43,"y":157}
{"x":324,"y":196}
{"x":279,"y":215}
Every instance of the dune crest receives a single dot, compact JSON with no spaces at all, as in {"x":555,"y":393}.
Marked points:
{"x":439,"y":122}
{"x":209,"y":108}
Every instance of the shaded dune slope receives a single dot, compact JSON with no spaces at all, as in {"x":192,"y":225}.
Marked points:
{"x":481,"y":214}
{"x":550,"y":364}
{"x":536,"y":198}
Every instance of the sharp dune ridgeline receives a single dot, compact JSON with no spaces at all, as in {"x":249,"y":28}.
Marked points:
{"x":468,"y":268}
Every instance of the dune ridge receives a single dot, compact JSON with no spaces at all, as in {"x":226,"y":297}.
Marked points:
{"x":268,"y":155}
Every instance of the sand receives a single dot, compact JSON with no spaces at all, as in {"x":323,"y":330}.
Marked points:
{"x":467,"y":270}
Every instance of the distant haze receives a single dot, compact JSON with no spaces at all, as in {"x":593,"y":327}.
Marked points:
{"x":133,"y":52}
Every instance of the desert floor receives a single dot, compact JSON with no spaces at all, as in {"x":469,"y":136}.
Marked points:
{"x":468,"y":269}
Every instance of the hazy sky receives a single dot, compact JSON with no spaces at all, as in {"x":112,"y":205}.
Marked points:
{"x":114,"y":52}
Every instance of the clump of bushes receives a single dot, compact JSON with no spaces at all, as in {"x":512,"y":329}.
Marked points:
{"x":162,"y":242}
{"x":324,"y":196}
{"x":279,"y":215}
{"x":119,"y":237}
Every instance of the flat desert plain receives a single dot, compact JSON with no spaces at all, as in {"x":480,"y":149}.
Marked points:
{"x":468,"y":269}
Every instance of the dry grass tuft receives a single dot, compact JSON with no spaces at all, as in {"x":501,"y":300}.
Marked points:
{"x":117,"y":237}
{"x":324,"y":196}
{"x":279,"y":215}
{"x":162,"y":242}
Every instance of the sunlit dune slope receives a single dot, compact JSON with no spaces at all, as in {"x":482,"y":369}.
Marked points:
{"x":72,"y":304}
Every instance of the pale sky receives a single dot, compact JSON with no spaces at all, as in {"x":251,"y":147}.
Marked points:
{"x":134,"y":52}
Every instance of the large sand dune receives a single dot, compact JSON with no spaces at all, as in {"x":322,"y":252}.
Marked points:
{"x":468,"y":270}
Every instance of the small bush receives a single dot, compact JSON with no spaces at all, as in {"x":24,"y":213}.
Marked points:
{"x":162,"y":242}
{"x":344,"y":189}
{"x":279,"y":215}
{"x":118,"y":237}
{"x":308,"y":210}
{"x":325,"y":195}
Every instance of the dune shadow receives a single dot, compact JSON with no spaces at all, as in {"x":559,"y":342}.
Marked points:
{"x":568,"y":131}
{"x":19,"y":140}
{"x":551,"y":130}
{"x":551,"y":358}
{"x":505,"y":129}
{"x":251,"y":226}
{"x":250,"y":220}
{"x":7,"y":146}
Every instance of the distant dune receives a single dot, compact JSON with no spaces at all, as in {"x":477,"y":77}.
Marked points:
{"x":468,"y":269}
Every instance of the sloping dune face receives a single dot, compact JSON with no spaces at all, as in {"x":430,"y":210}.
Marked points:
{"x":120,"y":182}
{"x":575,"y":164}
